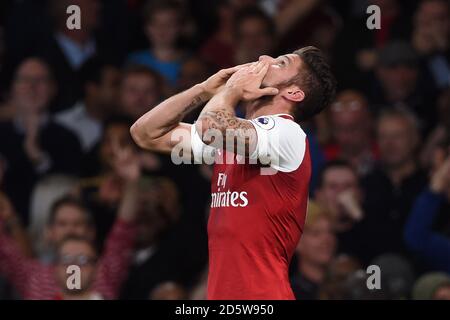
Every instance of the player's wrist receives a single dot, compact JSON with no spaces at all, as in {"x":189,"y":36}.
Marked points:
{"x":232,"y":93}
{"x":204,"y":91}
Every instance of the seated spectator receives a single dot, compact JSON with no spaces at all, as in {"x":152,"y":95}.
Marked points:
{"x":158,"y":207}
{"x":218,"y":49}
{"x":430,"y":37}
{"x":315,"y":251}
{"x":34,"y":144}
{"x":440,"y":132}
{"x":352,"y":128}
{"x":432,"y":286}
{"x":168,"y":291}
{"x":397,"y":276}
{"x":101,"y":275}
{"x":254,"y":35}
{"x":355,"y":288}
{"x":401,"y":82}
{"x":338,"y":191}
{"x":391,"y":188}
{"x":140,"y":90}
{"x":356,"y":52}
{"x":163,"y":21}
{"x":86,"y":117}
{"x":340,"y":269}
{"x":68,"y":49}
{"x":427,"y":231}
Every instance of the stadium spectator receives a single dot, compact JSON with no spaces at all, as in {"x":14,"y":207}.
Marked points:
{"x":33,"y":144}
{"x":432,"y":286}
{"x":401,"y":82}
{"x":315,"y":251}
{"x":338,"y":191}
{"x":49,"y":189}
{"x":440,"y":132}
{"x":105,"y":169}
{"x":140,"y":89}
{"x":68,"y":49}
{"x":427,"y":231}
{"x":431,"y":36}
{"x":254,"y":35}
{"x":163,"y":21}
{"x":218,"y":49}
{"x":154,"y":260}
{"x":68,"y":216}
{"x":168,"y":291}
{"x":352,"y":132}
{"x":397,"y":276}
{"x":340,"y":268}
{"x":390,"y":189}
{"x":100,"y":83}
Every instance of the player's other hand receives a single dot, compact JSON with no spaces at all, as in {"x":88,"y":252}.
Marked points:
{"x":216,"y":82}
{"x":246,"y":82}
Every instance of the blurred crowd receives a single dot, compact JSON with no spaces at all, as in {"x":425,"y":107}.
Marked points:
{"x":75,"y":189}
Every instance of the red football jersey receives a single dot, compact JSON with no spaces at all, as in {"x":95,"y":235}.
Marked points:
{"x":257,"y":212}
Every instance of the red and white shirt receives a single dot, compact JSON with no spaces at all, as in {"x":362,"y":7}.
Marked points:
{"x":257,"y":212}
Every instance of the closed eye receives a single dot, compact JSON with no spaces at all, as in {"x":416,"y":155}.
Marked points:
{"x":283,"y":61}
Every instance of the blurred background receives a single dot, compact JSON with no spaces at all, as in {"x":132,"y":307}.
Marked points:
{"x":74,"y":189}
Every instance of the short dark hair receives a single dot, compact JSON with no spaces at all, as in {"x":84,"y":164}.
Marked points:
{"x":68,"y":200}
{"x":91,"y":71}
{"x":253,"y":12}
{"x":118,"y":119}
{"x":134,"y":69}
{"x":152,"y":7}
{"x":338,"y":163}
{"x":316,"y":80}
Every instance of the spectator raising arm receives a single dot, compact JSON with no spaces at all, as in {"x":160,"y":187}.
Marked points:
{"x":117,"y":254}
{"x":14,"y":264}
{"x":419,"y":236}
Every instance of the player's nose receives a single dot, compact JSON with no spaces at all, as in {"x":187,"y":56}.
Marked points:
{"x":265,"y":58}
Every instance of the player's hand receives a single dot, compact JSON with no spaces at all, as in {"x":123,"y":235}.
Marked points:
{"x":440,"y":180}
{"x":246,"y":82}
{"x":215,"y":83}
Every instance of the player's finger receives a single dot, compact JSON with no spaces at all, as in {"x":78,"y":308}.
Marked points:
{"x":269,"y":91}
{"x":235,"y":68}
{"x":262,"y":70}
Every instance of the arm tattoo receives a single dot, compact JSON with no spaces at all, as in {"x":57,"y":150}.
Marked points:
{"x":236,"y":135}
{"x":197,"y":101}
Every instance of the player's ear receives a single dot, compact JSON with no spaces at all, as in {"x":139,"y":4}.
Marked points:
{"x":294,"y":94}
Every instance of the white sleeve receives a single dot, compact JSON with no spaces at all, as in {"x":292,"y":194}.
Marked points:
{"x":281,"y":143}
{"x":200,"y":150}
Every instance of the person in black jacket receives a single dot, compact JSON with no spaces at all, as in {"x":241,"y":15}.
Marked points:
{"x":32,"y":145}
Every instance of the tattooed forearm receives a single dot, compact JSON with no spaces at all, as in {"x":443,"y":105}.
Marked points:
{"x":195,"y":102}
{"x":222,"y":129}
